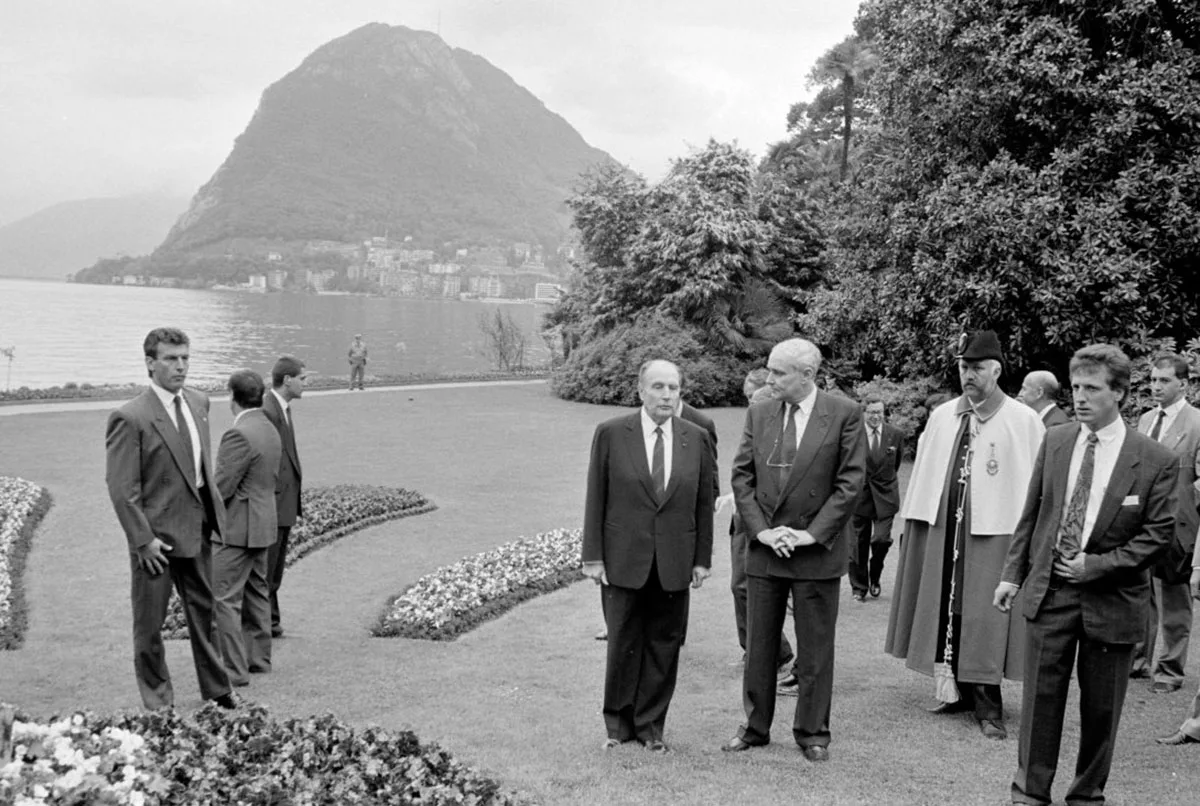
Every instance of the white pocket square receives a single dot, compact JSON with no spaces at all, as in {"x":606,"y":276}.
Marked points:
{"x":1131,"y":501}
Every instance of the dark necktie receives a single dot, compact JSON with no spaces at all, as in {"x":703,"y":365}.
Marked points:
{"x":186,"y":434}
{"x":1070,"y":539}
{"x":1157,"y":429}
{"x":874,"y":440}
{"x":787,"y":442}
{"x":658,"y":468}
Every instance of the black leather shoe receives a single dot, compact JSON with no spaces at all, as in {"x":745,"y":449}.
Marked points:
{"x":1178,"y":737}
{"x":858,"y":597}
{"x":610,"y":744}
{"x":1165,"y":688}
{"x":657,"y":746}
{"x":993,"y":729}
{"x":949,"y":708}
{"x":875,"y":590}
{"x":737,"y":745}
{"x":816,"y":753}
{"x":228,"y":701}
{"x":1139,"y":674}
{"x":788,"y":686}
{"x":602,"y":635}
{"x":277,"y":632}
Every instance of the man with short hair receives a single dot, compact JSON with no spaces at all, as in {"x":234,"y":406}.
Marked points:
{"x":647,"y":536}
{"x":1039,"y":392}
{"x":160,"y":481}
{"x":963,"y":500}
{"x":1100,"y":508}
{"x":287,"y":386}
{"x":871,"y":524}
{"x":358,"y":361}
{"x":796,"y":477}
{"x":247,"y":465}
{"x":1175,"y":424}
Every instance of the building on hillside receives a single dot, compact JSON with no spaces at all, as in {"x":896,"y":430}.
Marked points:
{"x":444,"y":268}
{"x":276,"y":279}
{"x":547,"y":292}
{"x":274,"y":257}
{"x":318,"y":280}
{"x":257,"y":281}
{"x":431,"y":284}
{"x":451,"y":285}
{"x":133,"y":279}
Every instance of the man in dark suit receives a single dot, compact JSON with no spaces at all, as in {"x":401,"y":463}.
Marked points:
{"x":247,"y":464}
{"x":1038,"y":392}
{"x":796,"y":477}
{"x":161,"y":484}
{"x":287,"y":385}
{"x":1099,"y":510}
{"x":647,"y":535}
{"x":871,"y":524}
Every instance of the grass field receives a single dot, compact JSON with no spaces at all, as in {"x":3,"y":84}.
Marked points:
{"x":520,"y":696}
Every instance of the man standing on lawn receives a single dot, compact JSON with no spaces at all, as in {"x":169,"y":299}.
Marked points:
{"x":161,"y":485}
{"x":358,"y":361}
{"x":287,"y":382}
{"x":796,"y":477}
{"x":647,"y":535}
{"x":1175,"y":424}
{"x":1099,"y":511}
{"x":247,"y":464}
{"x":878,"y":503}
{"x":963,"y":500}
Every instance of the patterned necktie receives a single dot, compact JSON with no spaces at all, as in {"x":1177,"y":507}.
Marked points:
{"x":658,"y":467}
{"x":1070,"y":538}
{"x":186,"y":434}
{"x":1154,"y":432}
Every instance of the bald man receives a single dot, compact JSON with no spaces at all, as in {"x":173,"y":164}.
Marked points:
{"x":1038,"y":392}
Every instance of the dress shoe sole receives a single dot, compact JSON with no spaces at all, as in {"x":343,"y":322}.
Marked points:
{"x":1177,"y":739}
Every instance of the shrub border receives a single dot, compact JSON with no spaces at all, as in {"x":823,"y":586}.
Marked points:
{"x":12,"y":636}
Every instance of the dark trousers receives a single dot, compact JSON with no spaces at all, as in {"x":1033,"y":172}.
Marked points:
{"x":276,"y":560}
{"x":356,"y":374}
{"x":242,"y":610}
{"x":149,"y":594}
{"x":738,"y":546}
{"x":815,"y":604}
{"x":872,"y":539}
{"x":1051,"y":642}
{"x":645,"y":631}
{"x":1170,"y":610}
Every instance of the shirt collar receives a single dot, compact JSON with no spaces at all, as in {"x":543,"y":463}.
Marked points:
{"x":1174,"y":409}
{"x":984,"y":410}
{"x":648,"y":425}
{"x":805,"y":405}
{"x":1106,"y":434}
{"x":167,"y":398}
{"x":283,"y":403}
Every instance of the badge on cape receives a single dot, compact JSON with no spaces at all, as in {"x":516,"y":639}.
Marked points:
{"x":993,"y":467}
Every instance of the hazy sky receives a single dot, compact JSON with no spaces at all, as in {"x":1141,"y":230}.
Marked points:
{"x":114,"y":97}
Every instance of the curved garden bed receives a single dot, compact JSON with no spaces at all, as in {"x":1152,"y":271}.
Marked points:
{"x":23,"y":504}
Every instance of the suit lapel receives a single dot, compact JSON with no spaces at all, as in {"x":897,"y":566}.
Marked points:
{"x":814,"y":436}
{"x":635,"y":445}
{"x":1060,"y":459}
{"x":173,"y":439}
{"x":1119,"y":484}
{"x":1179,"y":428}
{"x":289,"y":441}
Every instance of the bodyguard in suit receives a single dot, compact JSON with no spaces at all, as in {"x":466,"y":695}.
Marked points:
{"x":247,"y":464}
{"x":647,"y":535}
{"x":1175,"y":424}
{"x":1038,"y":392}
{"x":1099,"y":511}
{"x":796,"y":478}
{"x":871,"y":524}
{"x":287,"y":386}
{"x":161,"y":484}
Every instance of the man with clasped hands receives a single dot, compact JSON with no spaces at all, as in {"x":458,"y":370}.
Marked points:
{"x":1099,"y":511}
{"x":796,"y":478}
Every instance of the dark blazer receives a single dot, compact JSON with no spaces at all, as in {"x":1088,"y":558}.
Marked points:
{"x":150,"y":480}
{"x":626,"y":527}
{"x":1183,"y":439}
{"x":1135,"y":523}
{"x":1055,"y":416}
{"x":288,"y":482}
{"x":247,"y":465}
{"x":693,"y":415}
{"x":880,"y":497}
{"x":819,"y":494}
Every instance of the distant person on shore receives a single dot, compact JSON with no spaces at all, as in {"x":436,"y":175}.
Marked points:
{"x":161,"y":483}
{"x":647,"y":536}
{"x":1038,"y":392}
{"x":287,"y":386}
{"x":247,"y":465}
{"x":358,"y":360}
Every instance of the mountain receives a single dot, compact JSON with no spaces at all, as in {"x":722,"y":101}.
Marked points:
{"x":389,"y":130}
{"x":68,"y":236}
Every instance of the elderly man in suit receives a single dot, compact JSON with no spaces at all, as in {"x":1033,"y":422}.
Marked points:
{"x":247,"y":464}
{"x":1189,"y":731}
{"x":1175,"y":424}
{"x":647,"y":535}
{"x":161,"y":484}
{"x":1099,"y":511}
{"x":1038,"y":392}
{"x":796,"y":478}
{"x":287,"y":386}
{"x":878,"y":503}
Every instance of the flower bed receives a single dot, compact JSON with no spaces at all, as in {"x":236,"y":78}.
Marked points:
{"x":330,"y":513}
{"x":459,"y":597}
{"x":247,"y":757}
{"x":22,"y":506}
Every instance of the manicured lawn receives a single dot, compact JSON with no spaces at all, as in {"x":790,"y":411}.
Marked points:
{"x":518,"y":697}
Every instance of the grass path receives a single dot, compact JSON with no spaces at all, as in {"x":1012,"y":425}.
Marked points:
{"x":520,"y":696}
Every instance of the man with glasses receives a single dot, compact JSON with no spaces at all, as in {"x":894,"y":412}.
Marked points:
{"x":796,"y":477}
{"x":287,"y":386}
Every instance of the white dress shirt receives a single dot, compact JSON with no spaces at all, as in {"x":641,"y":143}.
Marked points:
{"x":649,"y":437}
{"x":168,"y":401}
{"x":1172,"y":412}
{"x":801,"y":412}
{"x":1111,"y":438}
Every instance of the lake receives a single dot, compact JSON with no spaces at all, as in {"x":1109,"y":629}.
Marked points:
{"x":93,"y":333}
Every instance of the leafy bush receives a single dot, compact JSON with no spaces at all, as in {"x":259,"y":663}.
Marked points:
{"x":905,"y":402}
{"x":604,"y":370}
{"x":22,"y":506}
